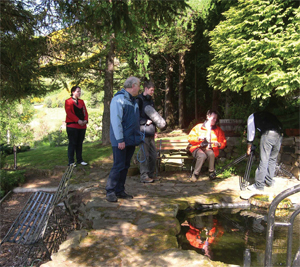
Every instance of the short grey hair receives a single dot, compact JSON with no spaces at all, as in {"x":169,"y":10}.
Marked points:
{"x":131,"y":81}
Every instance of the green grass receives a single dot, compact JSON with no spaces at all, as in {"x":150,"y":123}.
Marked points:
{"x":48,"y":157}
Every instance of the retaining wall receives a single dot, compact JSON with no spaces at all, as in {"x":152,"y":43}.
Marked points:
{"x":289,"y":154}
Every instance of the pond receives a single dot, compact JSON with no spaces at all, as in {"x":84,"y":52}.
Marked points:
{"x":226,"y":234}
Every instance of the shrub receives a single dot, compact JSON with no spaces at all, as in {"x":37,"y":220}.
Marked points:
{"x":48,"y":102}
{"x":57,"y":138}
{"x":94,"y":127}
{"x":9,"y":180}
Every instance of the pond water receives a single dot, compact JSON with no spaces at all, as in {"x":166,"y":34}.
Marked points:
{"x":226,"y":234}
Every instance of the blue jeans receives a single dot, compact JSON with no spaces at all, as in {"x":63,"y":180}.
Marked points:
{"x":269,"y":148}
{"x":117,"y":177}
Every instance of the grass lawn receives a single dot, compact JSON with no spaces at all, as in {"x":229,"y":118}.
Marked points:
{"x":47,"y":157}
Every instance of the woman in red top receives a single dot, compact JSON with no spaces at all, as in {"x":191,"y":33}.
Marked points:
{"x":77,"y":118}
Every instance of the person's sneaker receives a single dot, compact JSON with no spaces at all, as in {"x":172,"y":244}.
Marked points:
{"x":124,"y":195}
{"x":83,"y":163}
{"x":147,"y":180}
{"x":212,"y":176}
{"x":111,"y":198}
{"x":194,"y":178}
{"x":270,"y":185}
{"x":253,"y":187}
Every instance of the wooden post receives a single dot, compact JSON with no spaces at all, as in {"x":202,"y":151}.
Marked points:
{"x":15,"y":157}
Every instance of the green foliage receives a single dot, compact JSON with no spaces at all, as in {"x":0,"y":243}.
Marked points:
{"x":15,"y":118}
{"x":9,"y":180}
{"x":226,"y":173}
{"x":94,"y":127}
{"x":257,"y":49}
{"x":20,"y":51}
{"x":57,"y":138}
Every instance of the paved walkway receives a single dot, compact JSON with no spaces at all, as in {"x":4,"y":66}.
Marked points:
{"x":141,"y":231}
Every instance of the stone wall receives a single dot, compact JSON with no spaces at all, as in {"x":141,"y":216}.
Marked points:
{"x":289,"y":155}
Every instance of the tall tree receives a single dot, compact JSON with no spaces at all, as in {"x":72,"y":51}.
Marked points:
{"x":20,"y":50}
{"x":257,"y":49}
{"x":122,"y":23}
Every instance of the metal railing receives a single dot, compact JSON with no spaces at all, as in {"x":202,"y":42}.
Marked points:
{"x":271,"y":223}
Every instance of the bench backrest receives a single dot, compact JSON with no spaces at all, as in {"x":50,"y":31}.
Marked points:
{"x":63,"y":187}
{"x":30,"y":225}
{"x":170,"y":145}
{"x":31,"y":222}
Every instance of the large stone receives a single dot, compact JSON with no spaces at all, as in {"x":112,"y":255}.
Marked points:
{"x":287,"y":159}
{"x":295,"y":171}
{"x":288,"y":149}
{"x":288,"y":141}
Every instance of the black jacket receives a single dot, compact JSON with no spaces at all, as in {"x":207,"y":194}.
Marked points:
{"x":144,"y":101}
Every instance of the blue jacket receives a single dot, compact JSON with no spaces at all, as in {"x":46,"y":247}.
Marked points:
{"x":124,"y":120}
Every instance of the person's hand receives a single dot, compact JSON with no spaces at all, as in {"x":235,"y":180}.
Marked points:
{"x":217,"y":144}
{"x":155,"y":135}
{"x":148,"y":122}
{"x":121,"y":145}
{"x":81,"y":123}
{"x":249,"y":149}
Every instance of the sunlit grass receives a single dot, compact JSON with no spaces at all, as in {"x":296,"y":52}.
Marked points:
{"x":47,"y":157}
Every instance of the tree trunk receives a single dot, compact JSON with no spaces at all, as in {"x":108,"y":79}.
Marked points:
{"x":169,"y":108}
{"x":181,"y":98}
{"x":215,"y":100}
{"x":108,"y":92}
{"x":227,"y":104}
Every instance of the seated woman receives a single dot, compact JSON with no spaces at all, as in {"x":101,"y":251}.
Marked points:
{"x":206,"y":139}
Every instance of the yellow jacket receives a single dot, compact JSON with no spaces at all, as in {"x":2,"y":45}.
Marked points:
{"x":217,"y":135}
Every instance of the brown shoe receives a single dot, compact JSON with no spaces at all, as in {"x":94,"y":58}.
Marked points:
{"x":194,"y":178}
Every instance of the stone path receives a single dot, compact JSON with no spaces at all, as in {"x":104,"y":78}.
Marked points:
{"x":141,"y":231}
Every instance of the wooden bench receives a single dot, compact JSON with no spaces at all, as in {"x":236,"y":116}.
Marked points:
{"x":30,"y":225}
{"x":172,"y":149}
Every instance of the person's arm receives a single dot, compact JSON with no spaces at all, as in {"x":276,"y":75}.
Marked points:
{"x":70,"y":111}
{"x":194,"y":137}
{"x":222,"y":142}
{"x":116,"y":117}
{"x":250,"y":132}
{"x":86,"y":115}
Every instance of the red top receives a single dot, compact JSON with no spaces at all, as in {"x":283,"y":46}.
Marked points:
{"x":72,"y":117}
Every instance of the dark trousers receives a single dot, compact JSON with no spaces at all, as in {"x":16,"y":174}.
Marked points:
{"x":76,"y":137}
{"x":117,"y":177}
{"x":269,"y":148}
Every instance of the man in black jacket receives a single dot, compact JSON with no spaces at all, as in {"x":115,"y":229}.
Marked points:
{"x":148,"y":130}
{"x":271,"y":137}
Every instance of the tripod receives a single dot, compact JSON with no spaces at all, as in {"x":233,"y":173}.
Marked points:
{"x":244,"y":180}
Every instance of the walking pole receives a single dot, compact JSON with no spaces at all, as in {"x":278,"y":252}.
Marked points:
{"x":244,"y":181}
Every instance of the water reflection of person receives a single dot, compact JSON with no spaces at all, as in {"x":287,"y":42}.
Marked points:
{"x":203,"y":233}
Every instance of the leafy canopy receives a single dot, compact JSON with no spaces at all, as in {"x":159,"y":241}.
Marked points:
{"x":257,"y":49}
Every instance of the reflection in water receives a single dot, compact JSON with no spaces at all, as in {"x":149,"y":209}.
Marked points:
{"x":227,"y":235}
{"x":202,"y":234}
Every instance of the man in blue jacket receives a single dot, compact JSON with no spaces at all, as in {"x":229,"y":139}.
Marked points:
{"x":124,"y":136}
